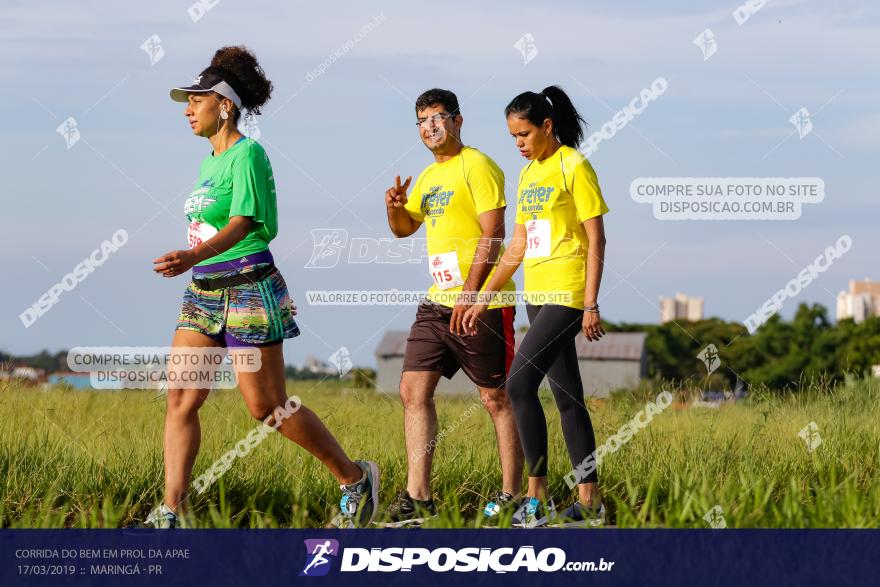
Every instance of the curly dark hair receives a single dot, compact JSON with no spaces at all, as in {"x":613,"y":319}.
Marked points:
{"x":239,"y":68}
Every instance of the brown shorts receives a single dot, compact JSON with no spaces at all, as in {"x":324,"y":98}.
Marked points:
{"x":485,"y":357}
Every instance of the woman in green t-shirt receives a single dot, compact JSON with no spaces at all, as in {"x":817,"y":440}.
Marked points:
{"x":238,"y":298}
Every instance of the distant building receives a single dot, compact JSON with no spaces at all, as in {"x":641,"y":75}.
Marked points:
{"x":681,"y":307}
{"x":74,"y":379}
{"x":861,"y":301}
{"x":316,"y":365}
{"x":617,"y":360}
{"x":23,"y":374}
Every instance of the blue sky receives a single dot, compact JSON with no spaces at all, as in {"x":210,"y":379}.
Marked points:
{"x":342,"y":137}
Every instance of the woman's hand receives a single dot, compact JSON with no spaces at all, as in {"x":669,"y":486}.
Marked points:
{"x":174,"y":263}
{"x":471,"y":316}
{"x":592,"y":326}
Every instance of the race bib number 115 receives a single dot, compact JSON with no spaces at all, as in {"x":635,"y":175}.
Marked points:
{"x":445,"y":270}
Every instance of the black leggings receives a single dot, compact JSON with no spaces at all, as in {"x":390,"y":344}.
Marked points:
{"x":548,"y":348}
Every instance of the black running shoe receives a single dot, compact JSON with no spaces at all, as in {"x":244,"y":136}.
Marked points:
{"x":580,"y":515}
{"x":406,"y":511}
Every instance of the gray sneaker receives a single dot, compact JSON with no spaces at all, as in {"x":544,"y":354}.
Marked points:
{"x":533,"y":513}
{"x":357,"y":508}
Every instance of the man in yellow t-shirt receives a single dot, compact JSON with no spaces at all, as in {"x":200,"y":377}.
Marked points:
{"x":460,"y":200}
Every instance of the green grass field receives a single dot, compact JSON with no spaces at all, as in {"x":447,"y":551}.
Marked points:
{"x":94,"y":459}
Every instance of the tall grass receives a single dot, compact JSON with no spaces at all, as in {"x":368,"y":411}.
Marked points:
{"x":94,"y":459}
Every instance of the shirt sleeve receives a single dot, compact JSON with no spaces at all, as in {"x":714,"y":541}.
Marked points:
{"x":519,"y":218}
{"x":252,"y":186}
{"x":414,"y":200}
{"x":586,"y":192}
{"x":486,"y":182}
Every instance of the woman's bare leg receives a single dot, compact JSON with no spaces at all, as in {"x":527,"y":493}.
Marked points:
{"x":182,"y":429}
{"x":265,"y":390}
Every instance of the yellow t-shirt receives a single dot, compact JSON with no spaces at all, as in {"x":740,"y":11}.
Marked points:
{"x":448,"y":198}
{"x":555,"y":196}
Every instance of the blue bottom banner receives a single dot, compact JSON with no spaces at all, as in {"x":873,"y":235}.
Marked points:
{"x":508,"y":557}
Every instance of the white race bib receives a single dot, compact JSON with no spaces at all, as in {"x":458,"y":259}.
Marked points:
{"x":445,"y":270}
{"x":538,"y":238}
{"x":199,"y":232}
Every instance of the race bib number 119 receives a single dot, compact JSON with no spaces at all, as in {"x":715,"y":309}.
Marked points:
{"x":538,"y":235}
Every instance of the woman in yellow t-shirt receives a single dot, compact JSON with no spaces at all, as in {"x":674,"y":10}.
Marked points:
{"x":559,"y":236}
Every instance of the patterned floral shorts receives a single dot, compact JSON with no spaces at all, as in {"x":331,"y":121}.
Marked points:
{"x":250,"y":314}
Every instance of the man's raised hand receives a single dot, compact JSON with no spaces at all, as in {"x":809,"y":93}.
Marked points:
{"x":395,"y":197}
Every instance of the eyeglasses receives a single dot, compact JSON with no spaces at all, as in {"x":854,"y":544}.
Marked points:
{"x":436,"y":119}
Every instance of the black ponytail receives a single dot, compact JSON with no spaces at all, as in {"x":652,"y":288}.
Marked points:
{"x":552,"y":103}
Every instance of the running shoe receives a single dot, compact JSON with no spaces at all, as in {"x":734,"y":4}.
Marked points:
{"x":578,"y":515}
{"x":533,"y":513}
{"x":406,"y":511}
{"x":162,"y":517}
{"x":499,"y":505}
{"x":357,"y":508}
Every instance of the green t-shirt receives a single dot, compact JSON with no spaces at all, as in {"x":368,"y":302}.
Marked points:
{"x":238,"y":182}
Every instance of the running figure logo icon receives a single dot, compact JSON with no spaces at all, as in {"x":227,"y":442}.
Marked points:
{"x":329,"y":244}
{"x":318,"y":552}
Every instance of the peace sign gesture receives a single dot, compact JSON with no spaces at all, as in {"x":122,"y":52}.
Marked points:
{"x":395,"y":197}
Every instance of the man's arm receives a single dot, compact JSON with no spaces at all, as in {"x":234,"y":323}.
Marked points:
{"x":507,"y":266}
{"x":485,"y":257}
